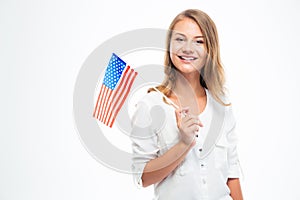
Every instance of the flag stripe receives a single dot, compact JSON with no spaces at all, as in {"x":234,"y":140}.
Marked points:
{"x":101,"y":99}
{"x":117,"y":98}
{"x":120,"y":97}
{"x":124,"y":98}
{"x":104,"y":93}
{"x":94,"y":114}
{"x":113,"y":99}
{"x":103,"y":109}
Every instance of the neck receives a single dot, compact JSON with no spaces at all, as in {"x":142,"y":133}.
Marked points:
{"x":189,"y":85}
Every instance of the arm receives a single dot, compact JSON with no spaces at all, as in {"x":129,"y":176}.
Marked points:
{"x":235,"y":188}
{"x":159,"y":168}
{"x":233,"y":181}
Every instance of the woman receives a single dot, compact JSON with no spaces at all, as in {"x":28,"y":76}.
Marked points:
{"x":183,"y":130}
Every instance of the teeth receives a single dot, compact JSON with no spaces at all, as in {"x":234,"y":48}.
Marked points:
{"x":187,"y":58}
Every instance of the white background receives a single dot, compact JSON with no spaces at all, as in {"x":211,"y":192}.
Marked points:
{"x":44,"y":43}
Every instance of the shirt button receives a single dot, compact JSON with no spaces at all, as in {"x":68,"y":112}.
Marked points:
{"x":200,"y":149}
{"x":204,"y":181}
{"x":202,"y":165}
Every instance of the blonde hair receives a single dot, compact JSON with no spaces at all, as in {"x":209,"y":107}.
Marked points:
{"x":212,"y":74}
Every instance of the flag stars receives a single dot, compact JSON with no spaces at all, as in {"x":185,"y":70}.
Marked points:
{"x":114,"y":71}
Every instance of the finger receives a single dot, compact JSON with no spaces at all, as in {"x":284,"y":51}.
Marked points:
{"x":191,"y":121}
{"x":189,"y":117}
{"x":181,"y":113}
{"x":184,"y":111}
{"x":200,"y":123}
{"x":193,"y":130}
{"x":178,"y":117}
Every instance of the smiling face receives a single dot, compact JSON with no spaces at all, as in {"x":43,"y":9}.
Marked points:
{"x":187,"y":48}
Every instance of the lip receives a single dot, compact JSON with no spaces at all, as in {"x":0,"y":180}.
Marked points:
{"x":186,"y":58}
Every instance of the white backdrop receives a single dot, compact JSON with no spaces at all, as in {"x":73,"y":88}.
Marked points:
{"x":44,"y":43}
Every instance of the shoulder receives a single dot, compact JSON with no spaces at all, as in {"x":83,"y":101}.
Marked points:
{"x":150,"y":110}
{"x":227,"y":110}
{"x":151,"y":96}
{"x":147,"y":101}
{"x":225,"y":101}
{"x":150,"y":99}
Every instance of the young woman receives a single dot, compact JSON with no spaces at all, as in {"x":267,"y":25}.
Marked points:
{"x":183,"y":134}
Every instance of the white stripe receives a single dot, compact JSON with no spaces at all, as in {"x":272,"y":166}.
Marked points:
{"x":100,"y":100}
{"x":119,"y":97}
{"x":109,"y":92}
{"x":104,"y":100}
{"x":116,"y":98}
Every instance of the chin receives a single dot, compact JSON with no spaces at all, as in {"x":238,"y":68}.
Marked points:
{"x":186,"y":68}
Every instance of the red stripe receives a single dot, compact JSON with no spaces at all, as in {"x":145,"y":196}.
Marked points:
{"x":123,"y":100}
{"x":101,"y":95}
{"x":126,"y":90}
{"x":118,"y":96}
{"x":104,"y":93}
{"x":106,"y":101}
{"x":108,"y":92}
{"x":113,"y":99}
{"x":95,"y":109}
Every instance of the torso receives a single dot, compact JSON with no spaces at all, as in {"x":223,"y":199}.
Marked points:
{"x":195,"y":178}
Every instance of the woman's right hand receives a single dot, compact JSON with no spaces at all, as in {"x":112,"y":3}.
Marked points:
{"x":188,"y":125}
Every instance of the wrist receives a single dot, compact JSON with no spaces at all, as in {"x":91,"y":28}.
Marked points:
{"x":186,"y":145}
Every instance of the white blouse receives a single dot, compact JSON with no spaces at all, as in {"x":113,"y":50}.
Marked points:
{"x":204,"y":172}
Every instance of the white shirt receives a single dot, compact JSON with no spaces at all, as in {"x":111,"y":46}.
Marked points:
{"x":204,"y":172}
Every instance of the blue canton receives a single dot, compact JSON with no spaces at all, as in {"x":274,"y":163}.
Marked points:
{"x":114,"y":71}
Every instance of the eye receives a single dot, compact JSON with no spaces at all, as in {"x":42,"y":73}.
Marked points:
{"x":198,"y":42}
{"x":179,"y":39}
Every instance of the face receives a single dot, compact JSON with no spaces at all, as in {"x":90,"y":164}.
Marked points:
{"x":187,"y":48}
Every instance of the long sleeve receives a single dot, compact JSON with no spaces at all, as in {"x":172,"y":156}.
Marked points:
{"x":233,"y":159}
{"x":144,"y":141}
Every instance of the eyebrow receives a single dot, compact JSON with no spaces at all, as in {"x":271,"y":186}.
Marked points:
{"x":198,"y":36}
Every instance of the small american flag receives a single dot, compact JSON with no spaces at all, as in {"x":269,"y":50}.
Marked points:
{"x":114,"y":90}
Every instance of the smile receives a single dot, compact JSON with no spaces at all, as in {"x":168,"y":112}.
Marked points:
{"x":187,"y":58}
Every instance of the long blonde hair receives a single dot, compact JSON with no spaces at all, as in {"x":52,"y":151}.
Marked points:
{"x":212,"y":74}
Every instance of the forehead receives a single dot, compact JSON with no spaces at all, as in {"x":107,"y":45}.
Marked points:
{"x":187,"y":27}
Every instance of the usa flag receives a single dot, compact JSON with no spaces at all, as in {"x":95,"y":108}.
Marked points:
{"x":118,"y":80}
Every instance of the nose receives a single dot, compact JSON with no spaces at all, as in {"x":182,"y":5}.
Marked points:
{"x":187,"y":48}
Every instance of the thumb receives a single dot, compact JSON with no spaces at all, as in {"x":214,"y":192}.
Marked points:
{"x":178,"y":117}
{"x":184,"y":111}
{"x":180,"y":113}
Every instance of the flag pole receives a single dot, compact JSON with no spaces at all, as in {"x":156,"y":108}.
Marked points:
{"x":168,"y":99}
